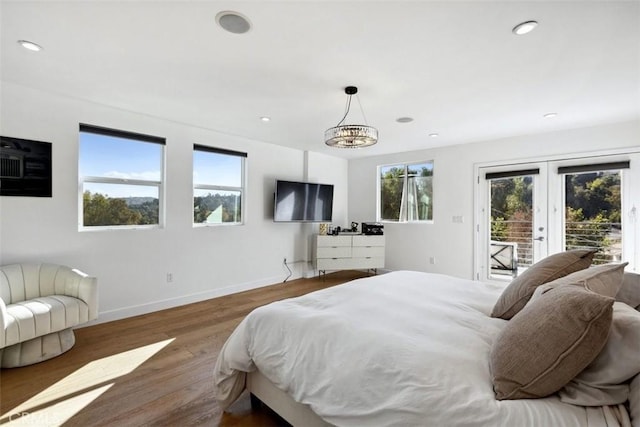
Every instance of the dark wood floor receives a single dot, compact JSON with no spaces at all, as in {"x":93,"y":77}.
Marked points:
{"x":155,"y":369}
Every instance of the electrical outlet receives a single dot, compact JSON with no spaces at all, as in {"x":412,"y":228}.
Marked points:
{"x":432,"y":260}
{"x":285,"y":261}
{"x":169,"y":277}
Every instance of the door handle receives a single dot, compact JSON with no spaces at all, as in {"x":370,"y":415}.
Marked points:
{"x":540,"y":239}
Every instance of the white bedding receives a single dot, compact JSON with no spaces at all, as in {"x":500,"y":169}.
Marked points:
{"x":398,"y":349}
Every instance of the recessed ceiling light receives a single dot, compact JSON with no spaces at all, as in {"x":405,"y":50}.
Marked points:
{"x":404,"y":119}
{"x":550,"y":115}
{"x":524,"y":28}
{"x":233,"y":22}
{"x":265,"y":119}
{"x":30,"y":45}
{"x":434,"y":135}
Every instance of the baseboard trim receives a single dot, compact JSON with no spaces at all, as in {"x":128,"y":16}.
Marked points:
{"x":136,"y":310}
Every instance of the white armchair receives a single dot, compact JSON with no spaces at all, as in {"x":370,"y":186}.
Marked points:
{"x":39,"y":306}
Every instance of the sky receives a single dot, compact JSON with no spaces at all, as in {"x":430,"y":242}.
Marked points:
{"x":107,"y":156}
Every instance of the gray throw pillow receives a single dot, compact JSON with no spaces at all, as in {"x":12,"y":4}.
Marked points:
{"x":606,"y":380}
{"x":629,"y":292}
{"x":603,"y":279}
{"x":549,"y":342}
{"x":517,"y":294}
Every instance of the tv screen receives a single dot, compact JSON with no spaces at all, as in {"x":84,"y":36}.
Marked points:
{"x":303,"y":202}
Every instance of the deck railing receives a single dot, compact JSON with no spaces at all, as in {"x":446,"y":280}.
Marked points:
{"x":605,"y":237}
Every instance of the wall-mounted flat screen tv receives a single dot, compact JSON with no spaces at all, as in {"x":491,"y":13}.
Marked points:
{"x":303,"y":202}
{"x":25,"y":167}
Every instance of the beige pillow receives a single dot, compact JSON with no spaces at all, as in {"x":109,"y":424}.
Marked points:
{"x":516,"y":295}
{"x":549,"y":342}
{"x":605,"y":380}
{"x":602,"y":279}
{"x":629,"y":292}
{"x":634,"y":401}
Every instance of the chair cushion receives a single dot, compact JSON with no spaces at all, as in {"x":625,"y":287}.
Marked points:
{"x":41,"y":316}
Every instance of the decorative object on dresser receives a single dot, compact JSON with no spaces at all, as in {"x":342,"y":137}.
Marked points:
{"x":348,"y":252}
{"x":372,"y":228}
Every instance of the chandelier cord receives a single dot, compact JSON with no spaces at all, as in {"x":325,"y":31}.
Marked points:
{"x":348,"y":108}
{"x":346,"y":112}
{"x":362,"y":111}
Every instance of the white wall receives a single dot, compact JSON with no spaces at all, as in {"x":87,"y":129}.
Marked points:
{"x":410,"y":246}
{"x":131,"y":265}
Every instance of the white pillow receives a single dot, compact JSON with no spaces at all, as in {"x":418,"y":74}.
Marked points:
{"x":606,"y":380}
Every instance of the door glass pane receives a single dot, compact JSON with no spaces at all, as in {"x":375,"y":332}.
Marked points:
{"x":511,"y":225}
{"x":592,"y":214}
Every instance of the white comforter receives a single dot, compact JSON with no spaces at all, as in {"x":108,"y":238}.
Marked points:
{"x":398,"y":349}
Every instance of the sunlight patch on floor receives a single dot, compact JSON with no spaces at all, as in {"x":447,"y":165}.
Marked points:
{"x":58,"y":413}
{"x":67,"y":397}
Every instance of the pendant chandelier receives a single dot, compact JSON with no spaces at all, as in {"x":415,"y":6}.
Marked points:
{"x":351,"y":136}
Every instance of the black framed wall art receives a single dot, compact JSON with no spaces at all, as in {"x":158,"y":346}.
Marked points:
{"x":25,"y":167}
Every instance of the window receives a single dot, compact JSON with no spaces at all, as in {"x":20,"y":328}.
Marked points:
{"x":120,"y":178}
{"x":406,"y":192}
{"x":218,"y":185}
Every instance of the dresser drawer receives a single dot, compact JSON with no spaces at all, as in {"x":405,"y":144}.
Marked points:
{"x":368,"y":240}
{"x":334,"y":252}
{"x":336,"y":264}
{"x":368,"y":252}
{"x":375,"y":262}
{"x":333,"y":241}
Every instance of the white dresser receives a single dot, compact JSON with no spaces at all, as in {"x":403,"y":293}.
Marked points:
{"x":348,"y":252}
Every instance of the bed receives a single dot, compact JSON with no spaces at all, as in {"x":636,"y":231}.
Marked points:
{"x":398,"y":349}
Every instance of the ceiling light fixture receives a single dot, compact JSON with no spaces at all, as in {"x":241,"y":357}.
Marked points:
{"x":233,"y":22}
{"x":351,"y":136}
{"x":404,"y":119}
{"x":434,"y":135}
{"x":265,"y":119}
{"x":524,"y":28}
{"x":550,"y":115}
{"x":30,"y":45}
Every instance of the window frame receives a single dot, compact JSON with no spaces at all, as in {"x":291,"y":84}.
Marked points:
{"x":242,"y":189}
{"x":406,"y":166}
{"x":159,"y":184}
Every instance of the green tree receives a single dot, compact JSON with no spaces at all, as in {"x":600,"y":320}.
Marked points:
{"x":100,"y":210}
{"x":229,"y":204}
{"x":148,"y":211}
{"x":591,"y":234}
{"x":391,"y":183}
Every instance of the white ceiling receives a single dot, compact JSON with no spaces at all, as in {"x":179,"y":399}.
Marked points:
{"x":453,"y":66}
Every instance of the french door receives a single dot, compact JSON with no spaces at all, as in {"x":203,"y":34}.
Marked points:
{"x":526,"y":211}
